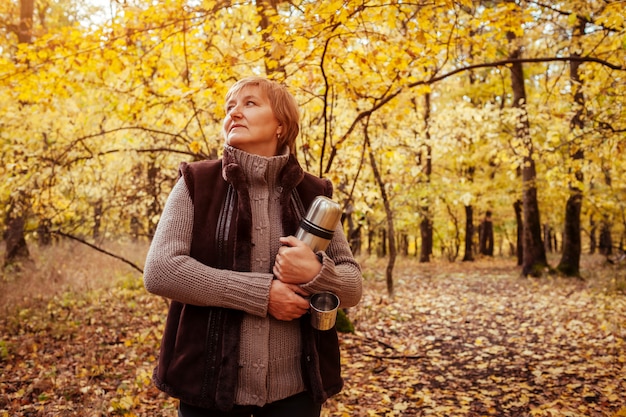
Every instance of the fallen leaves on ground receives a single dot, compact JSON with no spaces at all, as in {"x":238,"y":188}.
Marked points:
{"x":471,"y":339}
{"x":471,"y":342}
{"x":84,"y":355}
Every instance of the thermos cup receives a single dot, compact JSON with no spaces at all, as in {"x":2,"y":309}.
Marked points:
{"x":323,"y":307}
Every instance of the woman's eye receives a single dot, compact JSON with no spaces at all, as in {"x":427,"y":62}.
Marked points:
{"x":247,"y":104}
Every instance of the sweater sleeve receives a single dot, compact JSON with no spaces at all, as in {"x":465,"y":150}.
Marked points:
{"x":340,"y":272}
{"x":171,"y":272}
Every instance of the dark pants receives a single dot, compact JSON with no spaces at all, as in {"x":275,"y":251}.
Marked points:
{"x":299,"y":405}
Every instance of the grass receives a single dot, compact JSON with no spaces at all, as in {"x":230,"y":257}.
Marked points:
{"x":66,"y":267}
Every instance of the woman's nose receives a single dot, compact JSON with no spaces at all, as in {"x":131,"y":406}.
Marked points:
{"x":235,"y":112}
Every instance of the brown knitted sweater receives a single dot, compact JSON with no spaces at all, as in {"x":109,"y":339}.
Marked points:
{"x":270,"y":349}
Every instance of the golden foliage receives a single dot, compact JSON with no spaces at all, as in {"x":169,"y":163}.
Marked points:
{"x":98,"y":113}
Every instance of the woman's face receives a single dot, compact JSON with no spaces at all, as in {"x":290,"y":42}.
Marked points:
{"x":250,"y":124}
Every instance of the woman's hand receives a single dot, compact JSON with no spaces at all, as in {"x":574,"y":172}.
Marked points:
{"x":287,"y":301}
{"x":295,"y":262}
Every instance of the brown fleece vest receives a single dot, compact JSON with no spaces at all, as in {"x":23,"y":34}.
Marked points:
{"x":199,"y":355}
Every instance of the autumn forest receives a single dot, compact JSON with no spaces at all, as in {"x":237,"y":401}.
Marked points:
{"x":463,"y":138}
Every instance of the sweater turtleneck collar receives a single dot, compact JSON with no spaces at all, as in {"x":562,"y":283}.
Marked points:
{"x":256,"y":167}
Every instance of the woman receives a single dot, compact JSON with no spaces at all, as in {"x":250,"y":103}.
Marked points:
{"x":238,"y":341}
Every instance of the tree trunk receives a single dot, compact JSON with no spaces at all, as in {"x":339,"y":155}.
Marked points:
{"x":547,"y":238}
{"x":403,"y":241}
{"x":593,"y":243}
{"x":605,"y":244}
{"x":535,"y":261}
{"x":572,"y":246}
{"x":469,"y":174}
{"x":154,"y":190}
{"x":388,"y":213}
{"x":354,"y":233}
{"x":570,"y":259}
{"x":486,"y":235}
{"x":370,"y":238}
{"x":452,"y":252}
{"x":469,"y":234}
{"x":517,"y":206}
{"x":44,"y":236}
{"x":426,"y":229}
{"x":382,"y":247}
{"x":426,"y":225}
{"x":534,"y":255}
{"x":15,"y":217}
{"x":606,"y":240}
{"x":15,"y":221}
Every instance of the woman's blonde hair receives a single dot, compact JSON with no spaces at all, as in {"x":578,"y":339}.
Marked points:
{"x":283,"y":104}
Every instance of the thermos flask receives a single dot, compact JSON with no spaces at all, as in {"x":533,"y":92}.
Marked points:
{"x":316,"y":230}
{"x":317,"y":227}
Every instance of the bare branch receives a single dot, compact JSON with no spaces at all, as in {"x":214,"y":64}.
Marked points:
{"x":505,"y":62}
{"x":608,"y":126}
{"x":84,"y":242}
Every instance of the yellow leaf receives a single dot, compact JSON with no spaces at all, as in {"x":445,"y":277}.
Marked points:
{"x":278,"y":50}
{"x":195,"y":147}
{"x":301,"y":44}
{"x":401,"y":406}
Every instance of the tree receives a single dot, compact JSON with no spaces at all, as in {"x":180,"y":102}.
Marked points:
{"x":485,"y":235}
{"x":572,"y":245}
{"x":388,"y":212}
{"x":426,"y":226}
{"x":19,"y":200}
{"x":96,"y":117}
{"x":534,"y":256}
